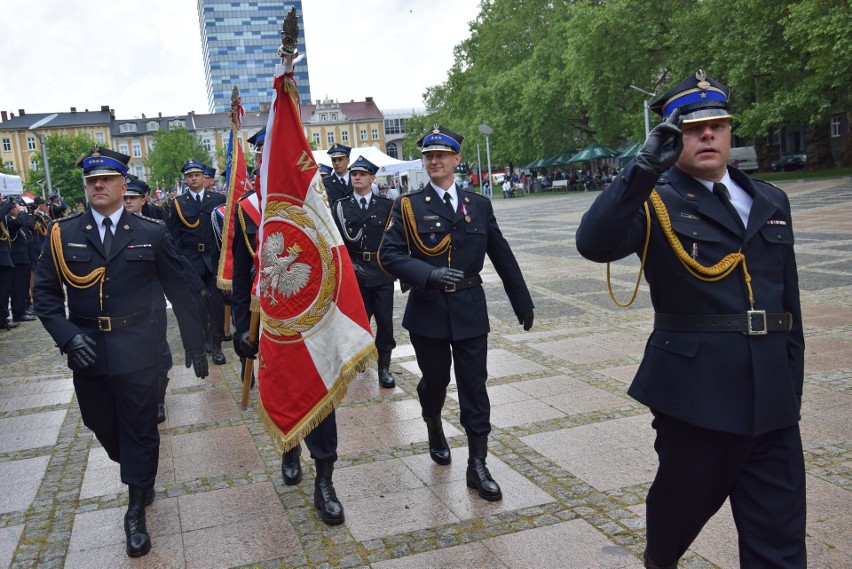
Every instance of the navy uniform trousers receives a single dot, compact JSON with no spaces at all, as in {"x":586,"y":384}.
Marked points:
{"x":725,"y":404}
{"x":322,"y":440}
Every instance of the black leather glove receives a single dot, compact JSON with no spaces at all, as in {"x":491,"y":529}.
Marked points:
{"x":444,"y":276}
{"x":526,"y":319}
{"x":197,"y":359}
{"x":248,"y":349}
{"x":359,"y":271}
{"x":663,"y":147}
{"x":404,"y":286}
{"x":81,"y":352}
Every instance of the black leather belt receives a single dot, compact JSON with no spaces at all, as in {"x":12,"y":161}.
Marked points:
{"x":201,"y":247}
{"x":110,"y":323}
{"x":752,"y":322}
{"x":368,"y":255}
{"x":469,"y":282}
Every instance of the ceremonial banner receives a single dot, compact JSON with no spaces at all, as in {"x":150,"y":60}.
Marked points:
{"x":238,"y":185}
{"x":315,"y":335}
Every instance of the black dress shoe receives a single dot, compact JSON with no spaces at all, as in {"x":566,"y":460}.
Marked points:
{"x":325,"y":498}
{"x":218,"y":356}
{"x":386,"y":380}
{"x":161,"y":412}
{"x":24,"y":318}
{"x":10,"y":324}
{"x":228,"y":338}
{"x":138,"y":540}
{"x":479,"y":478}
{"x":439,"y":450}
{"x":291,"y":466}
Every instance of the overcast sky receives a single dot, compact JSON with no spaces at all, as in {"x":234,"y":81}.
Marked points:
{"x":145,"y":56}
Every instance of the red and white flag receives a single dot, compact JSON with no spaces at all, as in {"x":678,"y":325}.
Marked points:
{"x":314,"y":335}
{"x":238,"y":185}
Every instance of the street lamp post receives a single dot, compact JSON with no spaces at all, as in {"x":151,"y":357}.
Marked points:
{"x":40,"y":136}
{"x":487,"y":131}
{"x":646,"y":103}
{"x":479,"y":167}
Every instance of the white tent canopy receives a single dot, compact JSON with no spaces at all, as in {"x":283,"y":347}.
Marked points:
{"x":11,"y":185}
{"x":386,"y":164}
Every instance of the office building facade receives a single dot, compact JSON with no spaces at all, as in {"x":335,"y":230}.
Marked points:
{"x":239,"y":43}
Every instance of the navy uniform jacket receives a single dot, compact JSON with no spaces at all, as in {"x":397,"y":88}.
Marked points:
{"x":20,"y":237}
{"x":141,"y":253}
{"x":725,"y":381}
{"x":362,"y":233}
{"x":5,"y":245}
{"x":243,"y":266}
{"x":199,"y":245}
{"x":335,"y":190}
{"x":462,"y":314}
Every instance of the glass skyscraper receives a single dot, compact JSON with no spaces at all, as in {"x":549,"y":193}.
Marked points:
{"x":239,"y":41}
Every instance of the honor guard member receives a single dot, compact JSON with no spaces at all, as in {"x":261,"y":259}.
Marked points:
{"x":338,"y":185}
{"x":723,"y":370}
{"x":322,"y":440}
{"x":209,"y":178}
{"x":135,"y":202}
{"x":436,"y":241}
{"x":325,"y":171}
{"x":361,"y":220}
{"x":20,"y":224}
{"x":191,"y":227}
{"x":105,"y":260}
{"x":6,"y":264}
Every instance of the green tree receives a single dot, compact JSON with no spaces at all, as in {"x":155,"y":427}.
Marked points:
{"x":172,"y":149}
{"x":6,"y":169}
{"x":63,"y":152}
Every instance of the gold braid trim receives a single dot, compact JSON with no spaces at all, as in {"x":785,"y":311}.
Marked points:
{"x":4,"y":232}
{"x":183,"y":219}
{"x":241,"y":217}
{"x":62,"y":269}
{"x":708,"y":274}
{"x":409,"y":222}
{"x":41,"y":225}
{"x":641,"y":267}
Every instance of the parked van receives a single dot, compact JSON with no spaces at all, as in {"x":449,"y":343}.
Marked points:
{"x":744,"y":158}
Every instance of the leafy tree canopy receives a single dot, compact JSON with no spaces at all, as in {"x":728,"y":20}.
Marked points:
{"x":63,"y":152}
{"x":172,"y":149}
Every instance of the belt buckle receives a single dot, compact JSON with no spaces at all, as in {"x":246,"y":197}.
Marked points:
{"x":450,"y":288}
{"x":366,"y":256}
{"x":201,"y":247}
{"x":760,"y":315}
{"x":104,"y":324}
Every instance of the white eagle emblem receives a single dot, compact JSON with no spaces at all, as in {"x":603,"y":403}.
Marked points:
{"x":282,"y":275}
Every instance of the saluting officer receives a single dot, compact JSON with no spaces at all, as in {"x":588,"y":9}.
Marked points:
{"x":191,"y":227}
{"x":338,"y":185}
{"x":105,"y":260}
{"x":436,"y":241}
{"x":724,"y":367}
{"x":361,"y":220}
{"x":322,"y":440}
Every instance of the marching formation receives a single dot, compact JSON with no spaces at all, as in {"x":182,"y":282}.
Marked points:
{"x":304,"y":256}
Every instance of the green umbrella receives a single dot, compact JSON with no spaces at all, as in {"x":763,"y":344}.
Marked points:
{"x":593,"y":152}
{"x":630,"y":151}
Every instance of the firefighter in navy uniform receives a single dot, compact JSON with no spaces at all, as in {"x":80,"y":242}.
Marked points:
{"x":338,"y":185}
{"x":322,"y":440}
{"x":21,"y":224}
{"x":105,"y":260}
{"x":361,"y":220}
{"x":191,"y":228}
{"x":436,"y":241}
{"x":723,"y":370}
{"x":6,"y":264}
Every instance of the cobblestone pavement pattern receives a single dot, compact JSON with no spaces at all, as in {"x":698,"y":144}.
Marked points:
{"x":571,"y":451}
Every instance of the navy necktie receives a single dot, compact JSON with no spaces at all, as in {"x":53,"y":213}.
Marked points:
{"x":448,"y":200}
{"x":364,"y":204}
{"x":107,"y":223}
{"x":725,"y":196}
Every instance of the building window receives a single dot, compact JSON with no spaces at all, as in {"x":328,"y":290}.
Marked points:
{"x":835,"y":128}
{"x":334,"y":116}
{"x":7,"y":145}
{"x":10,"y":165}
{"x":390,"y":150}
{"x":122,"y":147}
{"x":316,"y":139}
{"x":344,"y":136}
{"x":323,"y":118}
{"x":151,"y":144}
{"x":99,"y":137}
{"x":127,"y":127}
{"x":394,"y":126}
{"x":31,"y":143}
{"x":375,"y":134}
{"x":137,"y":150}
{"x":153,"y":125}
{"x":139,"y":169}
{"x":330,"y":137}
{"x":177,"y":123}
{"x":33,"y":164}
{"x":363,"y":134}
{"x":207,"y":144}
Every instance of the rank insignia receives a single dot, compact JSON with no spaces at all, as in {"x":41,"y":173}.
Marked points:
{"x":428,"y":199}
{"x":126,"y":226}
{"x":79,"y":245}
{"x":690,"y":216}
{"x":88,"y":227}
{"x":430,"y":217}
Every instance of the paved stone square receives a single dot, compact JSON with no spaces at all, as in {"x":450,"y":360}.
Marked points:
{"x":572,"y":452}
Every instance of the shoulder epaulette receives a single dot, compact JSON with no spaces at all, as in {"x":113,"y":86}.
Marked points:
{"x":69,"y":216}
{"x":417,"y":191}
{"x":146,"y":218}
